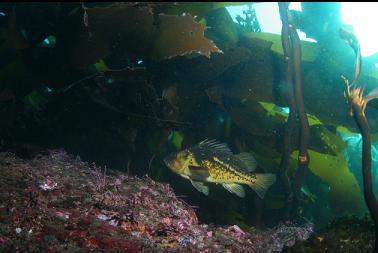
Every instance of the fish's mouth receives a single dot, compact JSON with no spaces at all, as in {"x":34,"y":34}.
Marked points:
{"x":168,"y":160}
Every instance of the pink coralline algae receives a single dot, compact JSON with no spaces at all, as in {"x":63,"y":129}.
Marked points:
{"x":56,"y":203}
{"x":48,"y":184}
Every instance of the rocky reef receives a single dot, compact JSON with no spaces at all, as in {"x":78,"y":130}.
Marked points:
{"x":58,"y":203}
{"x":347,"y":234}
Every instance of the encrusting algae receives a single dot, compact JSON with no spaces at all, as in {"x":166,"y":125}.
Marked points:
{"x":57,"y":203}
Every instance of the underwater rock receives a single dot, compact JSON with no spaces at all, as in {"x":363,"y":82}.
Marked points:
{"x":85,"y":208}
{"x":347,"y":234}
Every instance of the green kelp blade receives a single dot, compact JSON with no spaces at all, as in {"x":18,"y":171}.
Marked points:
{"x":310,"y":50}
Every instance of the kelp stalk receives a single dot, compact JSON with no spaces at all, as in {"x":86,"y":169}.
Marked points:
{"x":292,"y":53}
{"x":303,"y":157}
{"x":289,"y":127}
{"x":369,"y":196}
{"x":357,"y":104}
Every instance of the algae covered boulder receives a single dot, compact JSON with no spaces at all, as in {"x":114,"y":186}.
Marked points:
{"x":59,"y":203}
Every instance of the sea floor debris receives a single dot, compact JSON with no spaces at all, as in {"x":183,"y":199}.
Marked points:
{"x":58,"y":203}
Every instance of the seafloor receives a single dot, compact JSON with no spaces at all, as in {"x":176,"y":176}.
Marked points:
{"x":57,"y":203}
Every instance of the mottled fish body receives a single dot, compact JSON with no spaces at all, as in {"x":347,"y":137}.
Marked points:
{"x":213,"y":162}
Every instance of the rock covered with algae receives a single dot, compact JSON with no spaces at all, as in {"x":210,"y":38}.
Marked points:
{"x":343,"y":235}
{"x":57,"y":203}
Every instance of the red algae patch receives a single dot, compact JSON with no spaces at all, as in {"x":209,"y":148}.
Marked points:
{"x":57,"y":203}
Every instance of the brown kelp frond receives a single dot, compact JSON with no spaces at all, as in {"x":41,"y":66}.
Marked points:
{"x":357,"y":104}
{"x":357,"y":98}
{"x":354,"y":96}
{"x":106,"y":30}
{"x":180,"y":35}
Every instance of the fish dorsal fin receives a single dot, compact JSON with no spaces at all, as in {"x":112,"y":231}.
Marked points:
{"x":247,"y":159}
{"x":236,"y":189}
{"x":214,"y":144}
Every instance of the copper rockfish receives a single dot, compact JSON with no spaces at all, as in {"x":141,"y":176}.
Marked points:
{"x":213,"y":162}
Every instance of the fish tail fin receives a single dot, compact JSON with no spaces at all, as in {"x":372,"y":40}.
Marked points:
{"x":262,"y":183}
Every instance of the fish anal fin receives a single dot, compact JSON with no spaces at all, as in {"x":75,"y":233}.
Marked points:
{"x":201,"y":187}
{"x":262,"y":183}
{"x":248,"y":159}
{"x":198,"y":173}
{"x":236,"y":189}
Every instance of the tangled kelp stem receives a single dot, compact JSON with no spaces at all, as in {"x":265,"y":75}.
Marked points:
{"x":292,"y":51}
{"x":357,"y":104}
{"x":303,"y":157}
{"x":289,"y":128}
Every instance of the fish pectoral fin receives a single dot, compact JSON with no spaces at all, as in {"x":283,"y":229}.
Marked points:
{"x":198,"y":173}
{"x":248,"y":159}
{"x":262,"y":183}
{"x":201,"y":187}
{"x":236,"y":189}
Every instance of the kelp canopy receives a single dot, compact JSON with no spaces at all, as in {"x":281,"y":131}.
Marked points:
{"x":124,"y":84}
